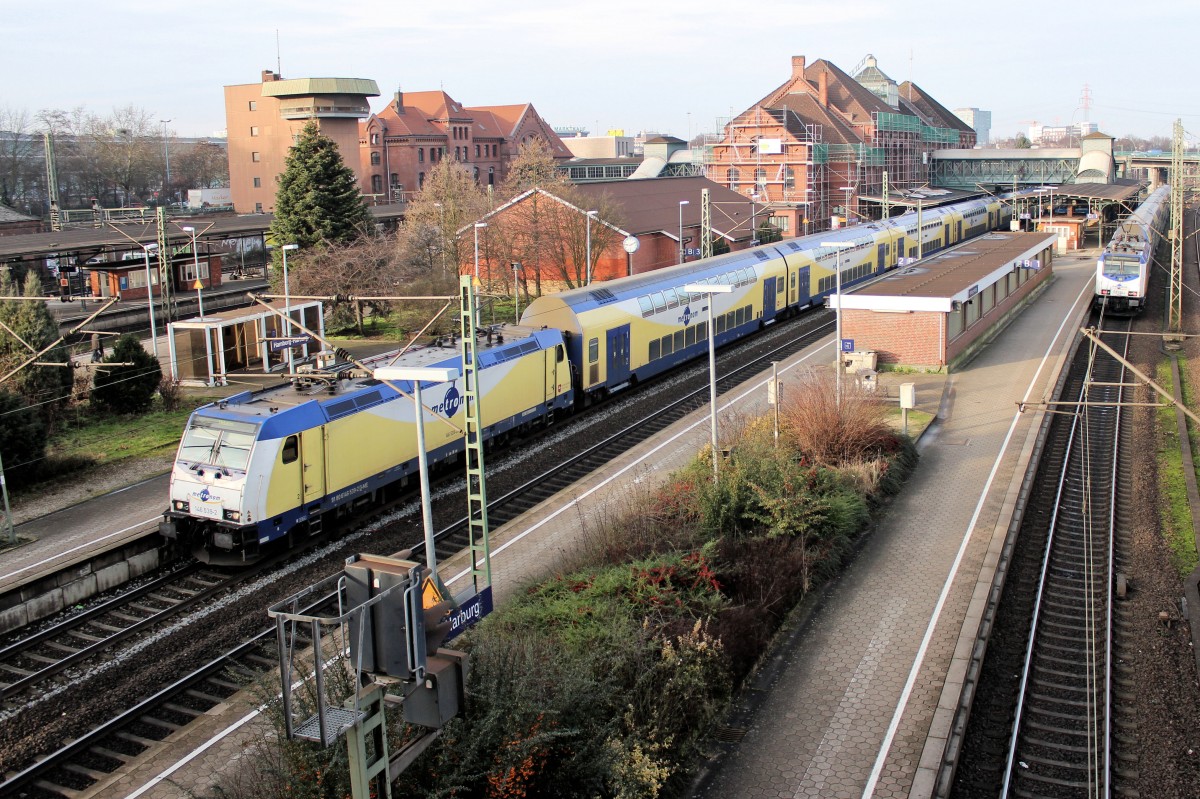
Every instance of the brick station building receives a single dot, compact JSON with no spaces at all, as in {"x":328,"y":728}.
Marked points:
{"x":936,"y":313}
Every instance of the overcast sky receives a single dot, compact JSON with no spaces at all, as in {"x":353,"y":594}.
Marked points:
{"x":668,"y":67}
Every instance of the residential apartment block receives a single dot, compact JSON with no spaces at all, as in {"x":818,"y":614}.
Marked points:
{"x":816,"y":146}
{"x":390,"y":151}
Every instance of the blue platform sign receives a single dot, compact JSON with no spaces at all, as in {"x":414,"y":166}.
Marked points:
{"x":285,"y":343}
{"x":847,"y":345}
{"x":470,"y":612}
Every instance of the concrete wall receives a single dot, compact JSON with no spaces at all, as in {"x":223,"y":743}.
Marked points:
{"x":57,"y":592}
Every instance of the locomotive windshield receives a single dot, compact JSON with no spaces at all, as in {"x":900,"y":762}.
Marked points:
{"x":1121,"y":265}
{"x":218,"y":442}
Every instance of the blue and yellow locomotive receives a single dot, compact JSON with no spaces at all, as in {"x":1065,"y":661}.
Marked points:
{"x":263,"y":465}
{"x":1123,"y":270}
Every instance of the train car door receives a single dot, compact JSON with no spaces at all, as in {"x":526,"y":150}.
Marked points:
{"x":946,"y":239}
{"x":881,"y":258}
{"x":769,"y":298}
{"x":959,"y":226}
{"x":899,"y":249}
{"x":618,"y":355}
{"x":312,"y":463}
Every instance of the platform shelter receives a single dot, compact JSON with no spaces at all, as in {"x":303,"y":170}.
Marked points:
{"x":251,"y":341}
{"x":934,"y":313}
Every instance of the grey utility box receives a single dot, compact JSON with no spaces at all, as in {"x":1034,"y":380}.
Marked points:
{"x":380,"y":636}
{"x":439,"y":697}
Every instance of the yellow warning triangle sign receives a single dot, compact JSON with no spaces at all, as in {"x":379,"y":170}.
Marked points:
{"x":197,"y":285}
{"x":431,"y":593}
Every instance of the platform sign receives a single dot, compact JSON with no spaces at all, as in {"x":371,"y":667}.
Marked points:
{"x":470,"y":612}
{"x":286,"y":343}
{"x":847,"y":345}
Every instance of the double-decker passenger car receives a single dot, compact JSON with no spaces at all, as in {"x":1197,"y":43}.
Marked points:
{"x":623,"y":331}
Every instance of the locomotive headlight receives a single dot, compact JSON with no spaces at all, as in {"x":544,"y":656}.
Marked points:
{"x":181,"y":505}
{"x":233,"y":516}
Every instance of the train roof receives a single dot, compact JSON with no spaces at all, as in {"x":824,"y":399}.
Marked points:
{"x":344,"y":388}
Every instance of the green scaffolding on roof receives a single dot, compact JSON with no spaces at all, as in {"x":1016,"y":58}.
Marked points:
{"x":939,"y":135}
{"x":903,"y":122}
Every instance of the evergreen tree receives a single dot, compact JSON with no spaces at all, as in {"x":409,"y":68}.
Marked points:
{"x":318,"y":198}
{"x":128,"y":389}
{"x":46,"y":387}
{"x":22,"y":439}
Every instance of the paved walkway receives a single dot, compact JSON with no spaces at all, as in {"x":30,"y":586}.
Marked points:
{"x":861,"y":691}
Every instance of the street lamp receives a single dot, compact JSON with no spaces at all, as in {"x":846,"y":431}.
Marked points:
{"x":590,"y":216}
{"x":838,"y":246}
{"x":516,"y":265}
{"x":846,"y":202}
{"x":442,"y":233}
{"x":478,"y":225}
{"x":196,"y":268}
{"x":287,"y":309}
{"x":681,"y":204}
{"x":709,"y":290}
{"x":754,"y":219}
{"x":167,"y":158}
{"x":146,"y":248}
{"x":418,"y":374}
{"x":920,"y":233}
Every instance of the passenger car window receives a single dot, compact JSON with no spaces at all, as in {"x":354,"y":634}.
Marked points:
{"x":594,"y":350}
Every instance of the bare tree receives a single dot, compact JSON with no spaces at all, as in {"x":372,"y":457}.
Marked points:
{"x":110,"y":159}
{"x":449,"y":201}
{"x":200,"y":165}
{"x":18,"y":147}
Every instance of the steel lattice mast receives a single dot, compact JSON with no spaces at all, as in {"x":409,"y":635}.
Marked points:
{"x":1175,"y":309}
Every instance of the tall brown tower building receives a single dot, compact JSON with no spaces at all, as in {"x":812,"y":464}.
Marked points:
{"x":264,"y":119}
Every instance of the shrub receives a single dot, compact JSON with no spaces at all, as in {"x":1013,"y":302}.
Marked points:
{"x":22,"y":439}
{"x":827,"y":434}
{"x":130,"y":388}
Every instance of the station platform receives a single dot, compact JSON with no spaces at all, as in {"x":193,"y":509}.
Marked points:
{"x":860,"y":699}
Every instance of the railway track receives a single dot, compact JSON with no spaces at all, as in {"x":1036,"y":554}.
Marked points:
{"x":1043,"y":722}
{"x":92,"y":757}
{"x":107,"y":748}
{"x":1062,"y":741}
{"x":33,"y":660}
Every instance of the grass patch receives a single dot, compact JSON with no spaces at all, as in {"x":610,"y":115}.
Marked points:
{"x":87,"y":440}
{"x":917,"y":420}
{"x":1175,"y":514}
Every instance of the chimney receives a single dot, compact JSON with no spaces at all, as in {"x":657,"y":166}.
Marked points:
{"x":797,"y":66}
{"x":399,"y":101}
{"x":823,"y":88}
{"x":268,"y":76}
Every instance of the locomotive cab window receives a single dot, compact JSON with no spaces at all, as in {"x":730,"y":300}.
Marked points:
{"x":559,"y":353}
{"x":218,"y":442}
{"x":291,"y":449}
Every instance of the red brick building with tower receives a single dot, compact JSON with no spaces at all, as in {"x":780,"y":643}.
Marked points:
{"x":821,"y":141}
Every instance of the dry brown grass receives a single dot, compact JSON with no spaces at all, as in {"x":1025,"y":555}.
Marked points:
{"x":830,"y":435}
